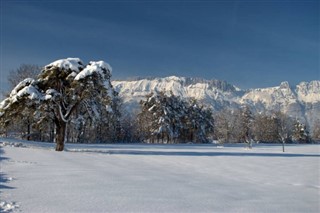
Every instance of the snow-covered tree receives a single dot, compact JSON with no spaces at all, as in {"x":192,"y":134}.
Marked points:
{"x":246,"y":121}
{"x":160,"y":117}
{"x":170,"y":119}
{"x":200,"y":122}
{"x":62,"y":88}
{"x":300,"y":133}
{"x":22,"y":124}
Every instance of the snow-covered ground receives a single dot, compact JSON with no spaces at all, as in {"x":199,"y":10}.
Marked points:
{"x":158,"y":178}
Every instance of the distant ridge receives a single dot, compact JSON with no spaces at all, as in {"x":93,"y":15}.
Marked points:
{"x":301,"y":101}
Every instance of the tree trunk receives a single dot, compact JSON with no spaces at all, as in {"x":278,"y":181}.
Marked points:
{"x":60,"y":135}
{"x":28,"y":129}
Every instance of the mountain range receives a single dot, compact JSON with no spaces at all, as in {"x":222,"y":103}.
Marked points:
{"x":301,"y":101}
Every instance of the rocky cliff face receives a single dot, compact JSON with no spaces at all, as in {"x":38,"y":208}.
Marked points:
{"x":301,"y":101}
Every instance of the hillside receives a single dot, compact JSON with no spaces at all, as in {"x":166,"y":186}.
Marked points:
{"x":301,"y":101}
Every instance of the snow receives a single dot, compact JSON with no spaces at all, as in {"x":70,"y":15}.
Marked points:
{"x":29,"y":91}
{"x":109,"y":109}
{"x":271,"y":96}
{"x":159,"y":178}
{"x":21,"y":85}
{"x":74,"y":64}
{"x":283,"y":94}
{"x":152,"y":108}
{"x":309,"y":92}
{"x":7,"y":207}
{"x":50,"y":94}
{"x":23,"y":89}
{"x":100,"y":67}
{"x":175,"y":78}
{"x":301,"y":101}
{"x":134,"y":91}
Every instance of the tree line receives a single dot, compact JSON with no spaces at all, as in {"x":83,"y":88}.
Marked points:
{"x":67,"y":101}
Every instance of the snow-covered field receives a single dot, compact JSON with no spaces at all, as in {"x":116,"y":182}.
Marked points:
{"x":159,"y":178}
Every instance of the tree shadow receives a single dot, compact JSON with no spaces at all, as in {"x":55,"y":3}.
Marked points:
{"x":2,"y":155}
{"x":194,"y":153}
{"x":3,"y":177}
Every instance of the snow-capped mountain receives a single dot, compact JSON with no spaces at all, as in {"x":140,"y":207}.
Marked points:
{"x":214,"y":92}
{"x":301,"y":101}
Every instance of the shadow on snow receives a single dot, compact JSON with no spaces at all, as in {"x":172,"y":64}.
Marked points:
{"x":3,"y":178}
{"x":193,"y":153}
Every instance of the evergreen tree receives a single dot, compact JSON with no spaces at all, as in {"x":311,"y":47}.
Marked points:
{"x":62,"y":88}
{"x":200,"y":122}
{"x":23,"y":125}
{"x":300,"y":133}
{"x":170,"y":119}
{"x":247,"y":119}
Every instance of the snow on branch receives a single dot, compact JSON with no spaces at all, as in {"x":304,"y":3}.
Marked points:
{"x":100,"y":67}
{"x":74,"y":64}
{"x":52,"y":94}
{"x":21,"y":85}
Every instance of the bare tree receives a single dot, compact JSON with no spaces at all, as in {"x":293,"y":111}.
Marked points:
{"x":265,"y":128}
{"x":316,"y":131}
{"x":222,"y":126}
{"x":23,"y":72}
{"x":284,"y":127}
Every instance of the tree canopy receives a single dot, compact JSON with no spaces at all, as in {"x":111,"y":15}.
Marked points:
{"x":61,"y":88}
{"x":170,"y":119}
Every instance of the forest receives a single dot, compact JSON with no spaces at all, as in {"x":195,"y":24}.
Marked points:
{"x":67,"y":101}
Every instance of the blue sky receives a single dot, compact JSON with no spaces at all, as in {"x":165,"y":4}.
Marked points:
{"x":247,"y":43}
